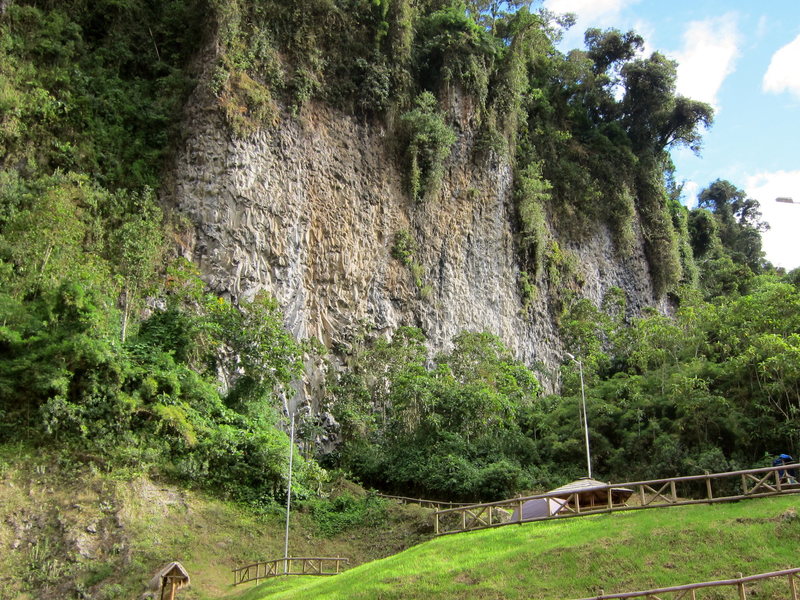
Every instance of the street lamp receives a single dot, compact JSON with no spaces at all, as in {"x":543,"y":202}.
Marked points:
{"x":288,"y":499}
{"x":585,"y":419}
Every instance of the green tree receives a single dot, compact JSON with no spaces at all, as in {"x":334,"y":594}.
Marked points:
{"x":136,"y":247}
{"x":654,"y":116}
{"x":739,"y":224}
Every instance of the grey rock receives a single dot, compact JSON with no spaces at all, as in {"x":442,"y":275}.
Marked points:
{"x":309,"y":211}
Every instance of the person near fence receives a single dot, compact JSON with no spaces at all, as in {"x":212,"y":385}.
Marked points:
{"x":787,"y":475}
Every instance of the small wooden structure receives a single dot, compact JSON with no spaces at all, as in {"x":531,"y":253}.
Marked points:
{"x":167,"y":581}
{"x":590,"y":493}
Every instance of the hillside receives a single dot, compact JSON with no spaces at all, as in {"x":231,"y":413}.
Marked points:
{"x":416,"y":229}
{"x":575,"y":558}
{"x":74,"y":532}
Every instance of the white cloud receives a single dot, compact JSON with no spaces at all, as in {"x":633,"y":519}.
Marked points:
{"x":781,"y":241}
{"x":588,"y":10}
{"x":710,"y":50}
{"x":689,"y":193}
{"x":589,"y":13}
{"x":783,"y":74}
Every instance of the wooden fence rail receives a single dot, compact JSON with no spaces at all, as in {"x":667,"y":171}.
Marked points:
{"x":288,"y":566}
{"x":675,"y":491}
{"x":690,"y":590}
{"x":437,"y":504}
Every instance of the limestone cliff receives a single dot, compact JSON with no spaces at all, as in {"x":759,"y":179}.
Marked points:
{"x":309,"y":211}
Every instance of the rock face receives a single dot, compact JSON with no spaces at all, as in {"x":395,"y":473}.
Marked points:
{"x":309,"y":210}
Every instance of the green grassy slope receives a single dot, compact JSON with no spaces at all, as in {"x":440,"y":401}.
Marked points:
{"x":574,"y":558}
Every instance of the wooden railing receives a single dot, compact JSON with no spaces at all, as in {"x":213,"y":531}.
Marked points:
{"x":690,"y":590}
{"x":676,"y":491}
{"x":436,"y":504}
{"x":288,"y":566}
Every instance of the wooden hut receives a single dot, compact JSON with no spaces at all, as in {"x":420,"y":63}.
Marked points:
{"x":592,"y":493}
{"x":167,"y":581}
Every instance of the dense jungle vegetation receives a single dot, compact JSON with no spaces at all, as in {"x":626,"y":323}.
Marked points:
{"x":112,"y":349}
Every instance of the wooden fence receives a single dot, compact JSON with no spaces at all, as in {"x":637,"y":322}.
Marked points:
{"x":288,"y":566}
{"x":690,"y":591}
{"x":676,"y":491}
{"x":436,"y":504}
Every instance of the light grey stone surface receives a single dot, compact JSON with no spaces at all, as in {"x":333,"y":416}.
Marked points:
{"x":309,"y":211}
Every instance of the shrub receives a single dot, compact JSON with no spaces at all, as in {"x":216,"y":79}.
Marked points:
{"x":337,"y":515}
{"x":428,"y":142}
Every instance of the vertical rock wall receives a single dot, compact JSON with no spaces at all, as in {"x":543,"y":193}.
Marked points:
{"x":309,"y":211}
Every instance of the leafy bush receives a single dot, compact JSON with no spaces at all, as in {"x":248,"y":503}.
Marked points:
{"x":343,"y":512}
{"x":452,"y":48}
{"x":428,"y":141}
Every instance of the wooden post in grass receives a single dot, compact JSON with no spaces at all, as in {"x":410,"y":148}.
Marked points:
{"x":792,"y":587}
{"x":740,"y":585}
{"x":709,"y":493}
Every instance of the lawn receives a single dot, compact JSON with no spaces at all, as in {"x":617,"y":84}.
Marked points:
{"x":573,"y":558}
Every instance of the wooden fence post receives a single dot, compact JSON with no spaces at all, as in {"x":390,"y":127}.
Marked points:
{"x":742,"y":594}
{"x":709,"y":493}
{"x":792,"y":587}
{"x":673,"y":490}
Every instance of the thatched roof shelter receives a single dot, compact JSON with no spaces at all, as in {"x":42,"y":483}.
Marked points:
{"x":593,"y":493}
{"x":167,"y":580}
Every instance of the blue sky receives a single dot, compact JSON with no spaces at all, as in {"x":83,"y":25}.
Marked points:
{"x":744,"y":59}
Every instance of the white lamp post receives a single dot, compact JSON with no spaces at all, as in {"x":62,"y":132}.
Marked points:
{"x":288,"y":500}
{"x":585,"y":419}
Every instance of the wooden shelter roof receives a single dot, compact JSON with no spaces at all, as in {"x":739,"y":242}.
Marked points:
{"x":585,"y":487}
{"x":173,"y":569}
